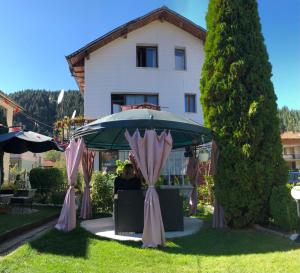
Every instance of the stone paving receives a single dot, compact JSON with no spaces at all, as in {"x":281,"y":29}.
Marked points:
{"x":104,"y":227}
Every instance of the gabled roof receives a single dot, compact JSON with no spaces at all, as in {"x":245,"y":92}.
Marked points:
{"x":76,"y":59}
{"x":290,"y":135}
{"x":6,"y":101}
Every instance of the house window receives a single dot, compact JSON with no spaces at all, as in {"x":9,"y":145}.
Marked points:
{"x":146,"y":56}
{"x":117,"y":100}
{"x":180,"y":63}
{"x":190,"y":103}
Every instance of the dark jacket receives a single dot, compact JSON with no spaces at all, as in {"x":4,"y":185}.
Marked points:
{"x":127,"y":184}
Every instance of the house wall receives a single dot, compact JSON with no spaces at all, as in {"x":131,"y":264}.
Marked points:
{"x":9,"y":121}
{"x":291,"y":152}
{"x":26,"y":160}
{"x":112,"y":69}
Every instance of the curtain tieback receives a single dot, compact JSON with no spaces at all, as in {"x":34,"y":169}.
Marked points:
{"x":151,"y":186}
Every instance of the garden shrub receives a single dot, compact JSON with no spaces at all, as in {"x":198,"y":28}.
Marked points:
{"x":47,"y":179}
{"x":205,"y":191}
{"x":102,"y":192}
{"x":79,"y":181}
{"x":283,"y":208}
{"x":52,"y":184}
{"x":57,"y":198}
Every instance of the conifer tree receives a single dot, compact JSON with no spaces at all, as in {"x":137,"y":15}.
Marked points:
{"x":239,"y":105}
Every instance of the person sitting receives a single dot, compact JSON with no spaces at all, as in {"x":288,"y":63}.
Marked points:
{"x":128,"y":180}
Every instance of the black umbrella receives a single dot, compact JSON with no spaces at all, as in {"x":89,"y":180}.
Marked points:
{"x":23,"y":141}
{"x":108,"y":132}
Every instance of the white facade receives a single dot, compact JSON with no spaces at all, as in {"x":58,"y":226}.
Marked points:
{"x":112,"y":70}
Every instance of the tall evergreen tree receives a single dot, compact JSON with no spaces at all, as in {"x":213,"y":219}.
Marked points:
{"x":239,"y":105}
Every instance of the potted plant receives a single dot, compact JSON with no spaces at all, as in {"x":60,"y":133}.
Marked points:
{"x":7,"y":188}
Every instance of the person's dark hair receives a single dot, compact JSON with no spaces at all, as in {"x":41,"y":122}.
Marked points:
{"x":127,"y":168}
{"x":128,"y":165}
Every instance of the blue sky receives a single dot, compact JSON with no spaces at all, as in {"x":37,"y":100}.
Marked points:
{"x":35,"y":36}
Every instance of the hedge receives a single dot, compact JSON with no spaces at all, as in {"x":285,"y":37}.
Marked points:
{"x":51,"y":184}
{"x":51,"y":179}
{"x":283,"y":208}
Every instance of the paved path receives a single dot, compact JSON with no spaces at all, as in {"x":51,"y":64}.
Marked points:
{"x":104,"y":227}
{"x":10,"y":245}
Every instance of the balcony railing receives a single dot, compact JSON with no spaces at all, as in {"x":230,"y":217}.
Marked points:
{"x":291,"y":156}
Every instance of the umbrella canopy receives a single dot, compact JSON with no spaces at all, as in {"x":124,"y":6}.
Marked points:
{"x":108,"y":132}
{"x":21,"y":142}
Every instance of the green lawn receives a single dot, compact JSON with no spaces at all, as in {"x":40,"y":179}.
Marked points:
{"x":12,"y":221}
{"x":208,"y":251}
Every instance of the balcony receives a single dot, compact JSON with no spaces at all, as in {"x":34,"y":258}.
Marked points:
{"x":291,"y":156}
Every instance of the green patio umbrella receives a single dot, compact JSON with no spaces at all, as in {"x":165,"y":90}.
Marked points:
{"x":107,"y":133}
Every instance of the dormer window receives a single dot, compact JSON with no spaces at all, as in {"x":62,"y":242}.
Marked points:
{"x":146,"y":56}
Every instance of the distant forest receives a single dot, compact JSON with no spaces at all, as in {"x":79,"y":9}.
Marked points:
{"x":42,"y":106}
{"x":289,"y":119}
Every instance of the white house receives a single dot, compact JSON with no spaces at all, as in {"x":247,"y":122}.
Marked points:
{"x":156,"y":58}
{"x":291,"y":149}
{"x":10,"y":107}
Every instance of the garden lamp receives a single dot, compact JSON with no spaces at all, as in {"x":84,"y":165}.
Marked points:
{"x":295,"y":192}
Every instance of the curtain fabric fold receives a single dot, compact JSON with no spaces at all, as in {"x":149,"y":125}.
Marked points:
{"x":87,"y":163}
{"x":218,"y":217}
{"x":193,"y":172}
{"x":67,"y":218}
{"x":151,"y":153}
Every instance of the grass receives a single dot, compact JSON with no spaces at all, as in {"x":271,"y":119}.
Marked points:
{"x":12,"y":221}
{"x":222,"y":251}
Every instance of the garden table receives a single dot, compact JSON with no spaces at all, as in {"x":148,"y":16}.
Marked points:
{"x":5,"y":198}
{"x":5,"y":201}
{"x":21,"y":201}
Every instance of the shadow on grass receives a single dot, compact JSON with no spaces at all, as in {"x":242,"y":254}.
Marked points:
{"x":207,"y":242}
{"x":74,"y":243}
{"x":215,"y":242}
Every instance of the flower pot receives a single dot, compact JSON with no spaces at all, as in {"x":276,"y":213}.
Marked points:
{"x":203,"y":157}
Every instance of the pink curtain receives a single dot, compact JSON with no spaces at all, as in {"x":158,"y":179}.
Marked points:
{"x":150,"y":153}
{"x":87,"y":163}
{"x":218,"y":217}
{"x":193,"y":172}
{"x":67,"y":218}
